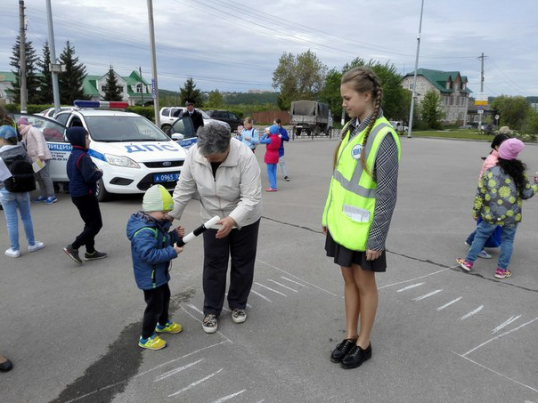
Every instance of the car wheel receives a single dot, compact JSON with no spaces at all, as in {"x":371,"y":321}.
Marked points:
{"x":166,"y":129}
{"x":298,"y":132}
{"x":102,"y":194}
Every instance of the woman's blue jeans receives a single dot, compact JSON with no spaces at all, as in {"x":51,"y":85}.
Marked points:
{"x":11,"y":202}
{"x":483,"y":232}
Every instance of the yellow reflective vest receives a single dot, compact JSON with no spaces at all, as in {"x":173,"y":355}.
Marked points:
{"x":349,"y":209}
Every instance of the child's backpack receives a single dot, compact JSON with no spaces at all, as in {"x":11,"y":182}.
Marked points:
{"x":22,"y":176}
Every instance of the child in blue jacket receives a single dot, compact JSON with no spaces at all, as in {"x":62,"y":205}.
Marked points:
{"x":153,"y":247}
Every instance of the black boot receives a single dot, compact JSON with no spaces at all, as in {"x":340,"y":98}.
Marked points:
{"x":356,"y":357}
{"x":342,"y":349}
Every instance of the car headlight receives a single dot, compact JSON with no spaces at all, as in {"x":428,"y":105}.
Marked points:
{"x":121,"y":161}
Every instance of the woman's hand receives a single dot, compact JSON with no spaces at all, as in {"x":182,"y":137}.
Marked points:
{"x":180,"y":231}
{"x":324,"y":230}
{"x":227,"y":225}
{"x":372,"y":254}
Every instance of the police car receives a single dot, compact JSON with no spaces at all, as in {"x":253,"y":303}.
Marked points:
{"x":132,"y":152}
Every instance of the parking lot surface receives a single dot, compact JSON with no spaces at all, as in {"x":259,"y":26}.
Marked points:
{"x":441,"y":335}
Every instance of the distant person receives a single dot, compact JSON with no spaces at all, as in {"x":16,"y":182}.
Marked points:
{"x":10,"y":151}
{"x":153,"y":247}
{"x":37,"y":149}
{"x":272,"y":141}
{"x":249,"y":135}
{"x":495,"y":239}
{"x":5,"y":364}
{"x":197,"y":118}
{"x":498,"y":201}
{"x":225,"y":176}
{"x":283,"y":137}
{"x":359,"y":207}
{"x":83,"y":176}
{"x":7,"y":120}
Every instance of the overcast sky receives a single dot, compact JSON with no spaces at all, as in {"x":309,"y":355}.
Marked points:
{"x":235,"y":45}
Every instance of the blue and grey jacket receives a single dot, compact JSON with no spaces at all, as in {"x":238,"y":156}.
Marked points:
{"x":151,"y":249}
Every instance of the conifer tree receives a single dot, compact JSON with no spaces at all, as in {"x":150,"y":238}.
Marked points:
{"x":71,"y":81}
{"x":32,"y":81}
{"x":45,"y":78}
{"x":113,"y":92}
{"x":189,"y":92}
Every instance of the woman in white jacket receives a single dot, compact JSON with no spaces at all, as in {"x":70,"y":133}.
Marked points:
{"x":226,"y":175}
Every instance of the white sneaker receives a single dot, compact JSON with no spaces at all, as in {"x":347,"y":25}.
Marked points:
{"x":12,"y":253}
{"x":484,"y":255}
{"x":210,"y":323}
{"x":239,"y":315}
{"x":36,"y":246}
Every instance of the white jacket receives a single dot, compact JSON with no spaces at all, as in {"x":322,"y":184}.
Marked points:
{"x":235,"y":190}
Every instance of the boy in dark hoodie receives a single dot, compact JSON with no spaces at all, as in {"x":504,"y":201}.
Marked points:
{"x":153,"y":246}
{"x":83,"y":176}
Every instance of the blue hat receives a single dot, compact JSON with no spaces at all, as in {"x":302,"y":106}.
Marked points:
{"x":7,"y":132}
{"x":274,"y":129}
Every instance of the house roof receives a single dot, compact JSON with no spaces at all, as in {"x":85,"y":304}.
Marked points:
{"x":439,"y":78}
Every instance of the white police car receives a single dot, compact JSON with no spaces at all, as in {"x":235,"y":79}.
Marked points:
{"x":132,"y":152}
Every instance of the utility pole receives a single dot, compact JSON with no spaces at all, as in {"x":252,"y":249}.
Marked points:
{"x":53,"y":67}
{"x":154,"y":85}
{"x":481,"y":92}
{"x":22,"y":59}
{"x":410,"y":128}
{"x":141,"y":85}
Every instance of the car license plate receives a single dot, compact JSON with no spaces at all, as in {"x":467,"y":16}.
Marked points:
{"x":171,"y":177}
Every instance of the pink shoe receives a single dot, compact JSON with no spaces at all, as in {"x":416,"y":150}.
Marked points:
{"x":502,"y":273}
{"x":465,"y":265}
{"x":271,"y":190}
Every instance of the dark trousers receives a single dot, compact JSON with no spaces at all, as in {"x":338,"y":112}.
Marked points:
{"x":88,"y":207}
{"x":241,"y":246}
{"x":157,"y":303}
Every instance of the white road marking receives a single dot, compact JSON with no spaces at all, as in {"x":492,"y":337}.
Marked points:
{"x":498,"y":373}
{"x":448,"y":304}
{"x":270,"y":289}
{"x":427,"y":295}
{"x":416,"y":278}
{"x":472,"y":312}
{"x":298,"y":278}
{"x":223,"y":399}
{"x":260,"y":295}
{"x":175,"y":371}
{"x":192,"y":385}
{"x":409,"y":287}
{"x":499,"y":336}
{"x":282,"y":285}
{"x":504,"y":324}
{"x":195,"y":308}
{"x":292,"y":281}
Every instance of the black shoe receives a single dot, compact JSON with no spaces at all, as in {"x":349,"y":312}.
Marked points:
{"x":94,"y":256}
{"x":342,"y":349}
{"x":6,"y":365}
{"x":356,"y":357}
{"x":73,"y":254}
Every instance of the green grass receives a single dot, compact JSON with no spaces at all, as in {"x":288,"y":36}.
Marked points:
{"x":452,"y":134}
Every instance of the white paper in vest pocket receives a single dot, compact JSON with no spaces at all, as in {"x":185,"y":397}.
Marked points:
{"x":356,"y":214}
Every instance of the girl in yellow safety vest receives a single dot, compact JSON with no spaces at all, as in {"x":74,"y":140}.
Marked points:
{"x":359,"y":207}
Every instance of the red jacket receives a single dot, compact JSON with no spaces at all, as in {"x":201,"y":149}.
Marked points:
{"x":271,"y":154}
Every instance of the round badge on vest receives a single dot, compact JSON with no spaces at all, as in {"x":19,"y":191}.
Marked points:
{"x":356,"y":151}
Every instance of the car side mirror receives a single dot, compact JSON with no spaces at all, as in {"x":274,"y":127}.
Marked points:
{"x":178,"y":136}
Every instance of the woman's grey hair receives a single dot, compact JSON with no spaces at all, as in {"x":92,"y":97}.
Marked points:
{"x":213,"y":138}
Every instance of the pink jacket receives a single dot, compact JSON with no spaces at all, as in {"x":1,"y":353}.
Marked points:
{"x":36,"y":146}
{"x":490,"y":162}
{"x":271,"y":154}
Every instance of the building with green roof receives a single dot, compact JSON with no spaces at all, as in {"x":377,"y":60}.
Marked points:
{"x":451,"y":87}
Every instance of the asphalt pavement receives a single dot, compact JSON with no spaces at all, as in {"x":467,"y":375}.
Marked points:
{"x":441,"y":335}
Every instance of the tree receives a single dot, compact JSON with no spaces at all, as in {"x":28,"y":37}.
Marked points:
{"x":431,"y":109}
{"x":298,"y":77}
{"x":72,"y":79}
{"x":113,"y":92}
{"x":215,"y":99}
{"x":189,"y":92}
{"x":45,"y":78}
{"x":330,"y":94}
{"x":513,"y":110}
{"x":32,"y":81}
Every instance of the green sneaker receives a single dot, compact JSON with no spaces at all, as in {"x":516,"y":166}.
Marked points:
{"x":94,"y":255}
{"x":152,"y":343}
{"x":170,"y":327}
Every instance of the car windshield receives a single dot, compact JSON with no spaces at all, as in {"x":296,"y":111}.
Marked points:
{"x":123,"y":128}
{"x":204,"y":115}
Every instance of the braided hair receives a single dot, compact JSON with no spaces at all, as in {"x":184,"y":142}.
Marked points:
{"x":362,"y":79}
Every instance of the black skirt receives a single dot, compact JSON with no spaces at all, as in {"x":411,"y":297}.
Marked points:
{"x":346,"y":257}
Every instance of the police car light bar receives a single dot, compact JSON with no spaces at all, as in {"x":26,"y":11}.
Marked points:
{"x":101,"y":104}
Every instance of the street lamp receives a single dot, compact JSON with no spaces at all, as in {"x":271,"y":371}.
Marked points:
{"x":410,"y":128}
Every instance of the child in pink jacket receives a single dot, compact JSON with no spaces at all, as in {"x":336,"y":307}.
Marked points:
{"x":272,"y":140}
